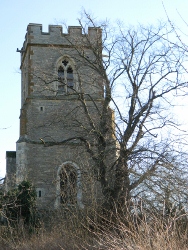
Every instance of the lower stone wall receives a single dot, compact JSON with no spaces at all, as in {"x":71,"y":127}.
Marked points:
{"x":10,"y":170}
{"x":44,"y":164}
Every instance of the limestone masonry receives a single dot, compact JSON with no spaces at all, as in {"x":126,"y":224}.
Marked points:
{"x":52,"y":75}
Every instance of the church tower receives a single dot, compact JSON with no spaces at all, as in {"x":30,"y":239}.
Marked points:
{"x":53,"y":75}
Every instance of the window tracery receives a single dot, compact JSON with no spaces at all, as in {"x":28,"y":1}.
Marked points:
{"x":65,"y":77}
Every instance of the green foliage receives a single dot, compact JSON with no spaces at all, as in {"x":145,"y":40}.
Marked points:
{"x":26,"y":199}
{"x":20,"y":203}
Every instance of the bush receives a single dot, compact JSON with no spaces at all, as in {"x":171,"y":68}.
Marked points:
{"x":20,"y":203}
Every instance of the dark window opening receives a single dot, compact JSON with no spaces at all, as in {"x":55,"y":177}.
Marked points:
{"x":65,"y":62}
{"x":41,"y":108}
{"x":70,"y":83}
{"x":40,"y":193}
{"x":61,"y":79}
{"x":61,"y":74}
{"x":68,"y":185}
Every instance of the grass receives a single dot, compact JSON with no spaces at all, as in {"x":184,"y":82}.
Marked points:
{"x":72,"y":230}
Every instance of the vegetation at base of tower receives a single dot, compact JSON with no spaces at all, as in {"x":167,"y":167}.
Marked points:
{"x":91,"y":230}
{"x":20,"y":203}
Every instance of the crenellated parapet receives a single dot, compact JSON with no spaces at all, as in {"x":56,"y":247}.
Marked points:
{"x":58,"y":69}
{"x":55,"y":36}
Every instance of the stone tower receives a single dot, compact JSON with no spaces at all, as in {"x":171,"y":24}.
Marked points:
{"x":53,"y":73}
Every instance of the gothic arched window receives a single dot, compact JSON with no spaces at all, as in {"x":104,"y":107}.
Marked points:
{"x":65,"y":77}
{"x":68,"y":185}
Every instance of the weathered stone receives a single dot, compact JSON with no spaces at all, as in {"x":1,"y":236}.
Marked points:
{"x":47,"y":116}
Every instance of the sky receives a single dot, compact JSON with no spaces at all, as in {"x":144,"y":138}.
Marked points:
{"x":16,"y":15}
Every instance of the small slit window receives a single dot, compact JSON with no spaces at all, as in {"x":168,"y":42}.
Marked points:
{"x":40,"y":193}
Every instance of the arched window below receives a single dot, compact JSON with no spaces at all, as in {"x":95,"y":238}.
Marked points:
{"x":68,"y":185}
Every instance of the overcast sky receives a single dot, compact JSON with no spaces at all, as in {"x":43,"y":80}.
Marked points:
{"x":16,"y":15}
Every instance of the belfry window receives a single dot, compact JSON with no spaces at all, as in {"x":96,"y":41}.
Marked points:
{"x":68,"y":184}
{"x":65,"y":77}
{"x":70,"y":83}
{"x":61,"y":79}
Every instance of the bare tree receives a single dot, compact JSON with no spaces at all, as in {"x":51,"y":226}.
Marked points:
{"x":142,"y":72}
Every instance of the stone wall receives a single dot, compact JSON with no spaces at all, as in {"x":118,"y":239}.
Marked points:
{"x":47,"y":116}
{"x":10,"y":169}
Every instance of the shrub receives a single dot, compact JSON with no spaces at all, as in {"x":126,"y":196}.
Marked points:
{"x":20,"y":203}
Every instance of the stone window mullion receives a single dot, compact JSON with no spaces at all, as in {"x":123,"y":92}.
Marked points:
{"x":66,"y":80}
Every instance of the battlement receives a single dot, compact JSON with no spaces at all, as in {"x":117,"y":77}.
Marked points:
{"x":55,"y":35}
